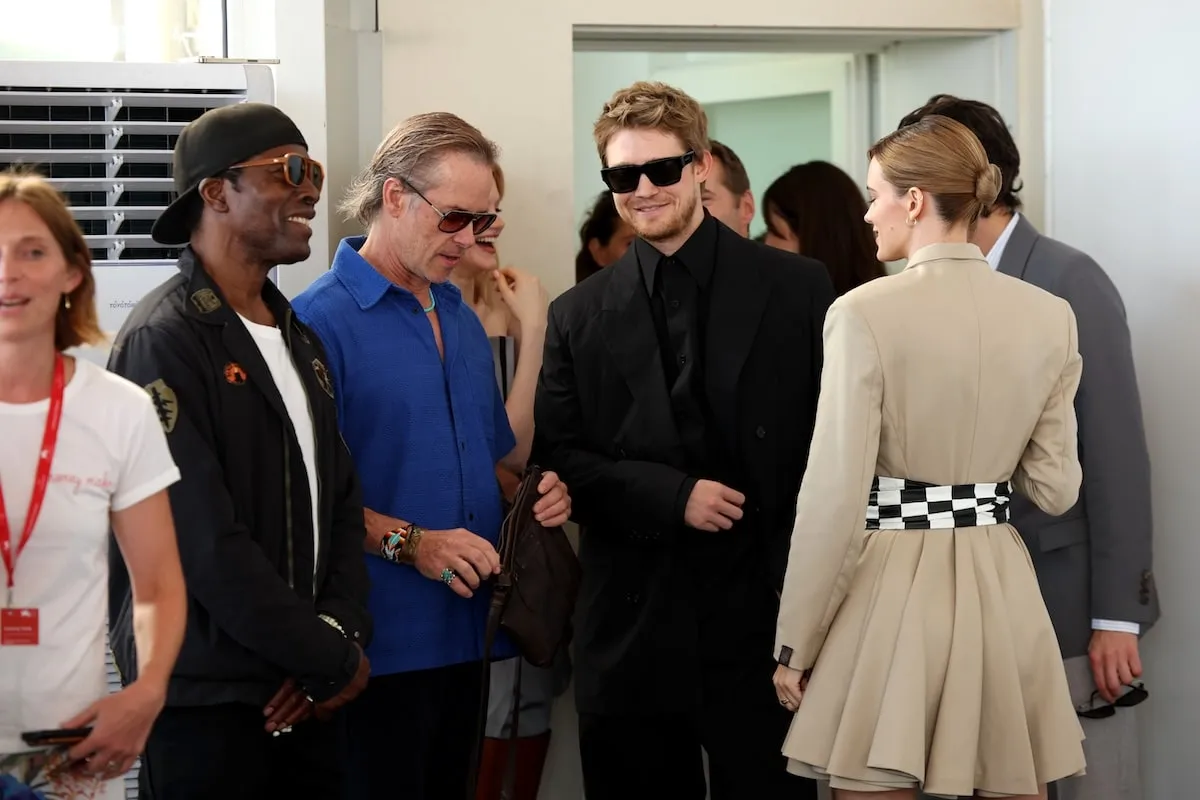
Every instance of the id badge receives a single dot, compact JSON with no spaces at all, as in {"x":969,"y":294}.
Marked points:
{"x":18,"y":627}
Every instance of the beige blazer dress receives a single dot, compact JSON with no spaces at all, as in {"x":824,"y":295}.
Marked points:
{"x":934,"y":663}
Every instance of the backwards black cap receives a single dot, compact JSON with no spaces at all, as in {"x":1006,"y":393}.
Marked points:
{"x":209,"y":145}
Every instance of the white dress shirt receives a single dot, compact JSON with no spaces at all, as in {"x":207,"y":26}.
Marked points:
{"x":993,"y":257}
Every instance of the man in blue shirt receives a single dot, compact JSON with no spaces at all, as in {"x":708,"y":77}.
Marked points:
{"x":421,"y":412}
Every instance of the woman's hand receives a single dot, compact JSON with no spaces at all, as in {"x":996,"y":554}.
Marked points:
{"x":120,"y":726}
{"x":789,"y":686}
{"x":524,"y":295}
{"x":553,"y":508}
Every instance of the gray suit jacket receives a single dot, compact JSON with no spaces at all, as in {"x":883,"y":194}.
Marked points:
{"x":1094,"y":562}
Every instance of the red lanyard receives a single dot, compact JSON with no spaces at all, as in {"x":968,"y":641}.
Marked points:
{"x":40,"y":481}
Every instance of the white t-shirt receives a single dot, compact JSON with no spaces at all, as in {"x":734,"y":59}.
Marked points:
{"x":287,"y":380}
{"x":111,"y":454}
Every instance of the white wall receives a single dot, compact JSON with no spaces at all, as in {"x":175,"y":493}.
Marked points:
{"x":711,"y":78}
{"x":1123,"y":110}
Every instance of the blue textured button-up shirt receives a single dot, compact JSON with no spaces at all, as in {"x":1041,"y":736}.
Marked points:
{"x":426,"y":433}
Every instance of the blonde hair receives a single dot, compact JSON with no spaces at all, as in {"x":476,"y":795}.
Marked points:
{"x":943,"y":157}
{"x":483,"y":286}
{"x":77,"y":324}
{"x":412,"y":152}
{"x":652,"y":105}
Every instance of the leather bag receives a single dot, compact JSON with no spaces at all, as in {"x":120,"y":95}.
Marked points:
{"x":533,"y":600}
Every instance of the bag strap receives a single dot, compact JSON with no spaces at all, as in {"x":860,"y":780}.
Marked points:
{"x":499,"y":595}
{"x":500,"y":591}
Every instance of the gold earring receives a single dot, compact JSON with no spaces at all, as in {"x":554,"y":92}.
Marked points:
{"x":911,"y":222}
{"x":67,"y":302}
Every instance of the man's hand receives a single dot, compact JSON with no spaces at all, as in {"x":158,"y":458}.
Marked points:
{"x":120,"y":725}
{"x":1115,"y":662}
{"x":472,"y":558}
{"x":713,"y":507}
{"x":353,"y":689}
{"x":289,"y":706}
{"x":789,"y":686}
{"x":554,"y":507}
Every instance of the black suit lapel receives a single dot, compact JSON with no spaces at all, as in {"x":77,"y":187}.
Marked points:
{"x":738,"y":297}
{"x":1015,"y":258}
{"x":629,"y":334}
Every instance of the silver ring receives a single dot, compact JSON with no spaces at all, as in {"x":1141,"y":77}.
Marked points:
{"x":785,"y":702}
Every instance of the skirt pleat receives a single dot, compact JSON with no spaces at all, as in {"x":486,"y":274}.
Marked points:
{"x":940,"y":671}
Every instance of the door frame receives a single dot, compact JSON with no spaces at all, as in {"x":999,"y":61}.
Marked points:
{"x":862,"y":123}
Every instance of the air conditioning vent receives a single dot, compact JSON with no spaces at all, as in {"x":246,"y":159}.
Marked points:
{"x":104,"y":133}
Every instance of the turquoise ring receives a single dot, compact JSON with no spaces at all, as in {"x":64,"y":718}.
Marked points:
{"x":448,"y":576}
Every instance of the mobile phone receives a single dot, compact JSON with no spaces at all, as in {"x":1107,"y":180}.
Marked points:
{"x":59,"y":736}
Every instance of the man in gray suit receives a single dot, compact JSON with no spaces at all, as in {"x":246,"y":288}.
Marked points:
{"x":1093,"y":563}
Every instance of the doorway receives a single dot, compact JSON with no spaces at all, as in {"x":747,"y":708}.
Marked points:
{"x":780,"y":98}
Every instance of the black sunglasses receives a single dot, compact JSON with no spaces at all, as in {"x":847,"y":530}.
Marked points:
{"x":661,"y":172}
{"x":295,"y":168}
{"x":455,"y":221}
{"x":1137,"y":694}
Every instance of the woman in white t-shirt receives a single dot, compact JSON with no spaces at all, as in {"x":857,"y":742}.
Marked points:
{"x":83,"y":452}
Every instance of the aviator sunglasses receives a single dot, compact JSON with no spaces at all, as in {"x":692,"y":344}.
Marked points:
{"x":454,"y":221}
{"x":625,"y":178}
{"x":295,"y":168}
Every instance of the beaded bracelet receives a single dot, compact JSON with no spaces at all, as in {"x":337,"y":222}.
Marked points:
{"x":400,"y":546}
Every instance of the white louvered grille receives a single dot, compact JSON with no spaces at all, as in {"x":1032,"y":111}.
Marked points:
{"x":104,"y":135}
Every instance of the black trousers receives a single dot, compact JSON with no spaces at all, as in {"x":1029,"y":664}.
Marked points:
{"x":412,"y":735}
{"x":741,"y":727}
{"x":205,"y":752}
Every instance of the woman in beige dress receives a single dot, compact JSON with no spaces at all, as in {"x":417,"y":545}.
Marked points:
{"x":912,"y":639}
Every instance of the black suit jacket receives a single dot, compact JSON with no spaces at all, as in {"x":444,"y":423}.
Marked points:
{"x":257,"y":578}
{"x":604,"y":423}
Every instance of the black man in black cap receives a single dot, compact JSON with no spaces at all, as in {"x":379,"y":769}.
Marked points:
{"x":268,"y":513}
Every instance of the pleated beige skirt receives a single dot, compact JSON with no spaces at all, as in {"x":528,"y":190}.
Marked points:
{"x":940,"y":671}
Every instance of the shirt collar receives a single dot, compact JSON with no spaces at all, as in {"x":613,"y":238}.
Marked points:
{"x":997,"y":252}
{"x":698,"y":254}
{"x":367,"y":286}
{"x":207,"y":301}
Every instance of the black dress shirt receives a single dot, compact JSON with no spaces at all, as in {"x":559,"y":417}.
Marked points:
{"x":678,"y":288}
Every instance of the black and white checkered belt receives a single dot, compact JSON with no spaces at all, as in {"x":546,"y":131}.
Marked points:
{"x":902,"y":504}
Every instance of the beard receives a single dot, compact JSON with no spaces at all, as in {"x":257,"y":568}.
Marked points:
{"x":661,"y":230}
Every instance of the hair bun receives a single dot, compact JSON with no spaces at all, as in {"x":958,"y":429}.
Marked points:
{"x":987,"y":185}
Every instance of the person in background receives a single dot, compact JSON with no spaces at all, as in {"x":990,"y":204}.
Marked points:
{"x":726,"y":193}
{"x":511,"y":304}
{"x":913,"y":645}
{"x":421,"y":411}
{"x":815,"y":209}
{"x":603,"y":238}
{"x":1094,"y":564}
{"x":268,"y":512}
{"x":677,"y":396}
{"x":82,"y":452}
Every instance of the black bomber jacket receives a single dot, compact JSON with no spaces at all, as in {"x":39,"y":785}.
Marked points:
{"x":260,"y":600}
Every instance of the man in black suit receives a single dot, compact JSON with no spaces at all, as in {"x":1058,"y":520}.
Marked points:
{"x":677,"y":398}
